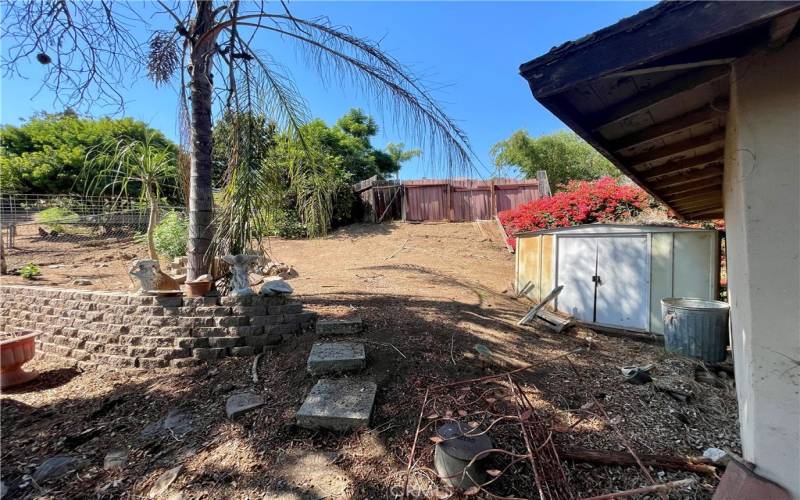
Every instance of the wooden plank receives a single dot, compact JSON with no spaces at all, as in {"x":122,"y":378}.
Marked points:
{"x":714,"y":213}
{"x":667,"y":28}
{"x":554,"y":321}
{"x":678,"y":166}
{"x":649,"y":70}
{"x":711,"y":171}
{"x":699,"y":465}
{"x":698,"y":205}
{"x":690,"y":186}
{"x":663,"y":129}
{"x":684,"y":199}
{"x":677,"y":148}
{"x":538,"y":307}
{"x":656,"y":95}
{"x":503,"y":234}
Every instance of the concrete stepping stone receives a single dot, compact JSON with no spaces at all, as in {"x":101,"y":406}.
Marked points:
{"x":338,"y":405}
{"x":336,"y":357}
{"x":239,"y":404}
{"x":339,"y":326}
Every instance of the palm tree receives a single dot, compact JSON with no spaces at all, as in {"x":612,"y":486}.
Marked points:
{"x":135,"y":166}
{"x":400,"y":154}
{"x":90,"y":48}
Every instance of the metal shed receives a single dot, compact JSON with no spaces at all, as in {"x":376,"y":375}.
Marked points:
{"x":616,"y":275}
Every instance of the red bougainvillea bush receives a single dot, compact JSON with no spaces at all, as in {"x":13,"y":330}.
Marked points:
{"x":582,"y":202}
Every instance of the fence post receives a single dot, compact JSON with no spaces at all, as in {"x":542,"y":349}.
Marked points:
{"x":449,"y":203}
{"x":493,"y":206}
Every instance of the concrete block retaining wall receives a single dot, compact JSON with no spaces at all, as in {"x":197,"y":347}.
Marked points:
{"x":134,"y":331}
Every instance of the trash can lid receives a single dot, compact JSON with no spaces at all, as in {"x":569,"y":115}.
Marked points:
{"x":463,"y":441}
{"x":694,"y":304}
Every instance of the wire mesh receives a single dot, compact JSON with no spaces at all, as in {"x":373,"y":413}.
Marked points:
{"x":83,"y":226}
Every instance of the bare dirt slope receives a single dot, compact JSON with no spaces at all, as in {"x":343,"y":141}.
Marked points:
{"x":428,"y":294}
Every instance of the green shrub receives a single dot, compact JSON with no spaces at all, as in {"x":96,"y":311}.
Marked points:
{"x":54,"y":218}
{"x":29,"y":271}
{"x":171,"y":235}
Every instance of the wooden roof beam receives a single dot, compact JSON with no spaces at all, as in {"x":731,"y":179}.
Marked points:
{"x":708,"y":172}
{"x":694,"y":206}
{"x":659,"y":93}
{"x":713,"y":213}
{"x":705,"y":114}
{"x":678,"y":148}
{"x":780,"y":29}
{"x":682,"y":165}
{"x":692,"y":188}
{"x":713,"y":192}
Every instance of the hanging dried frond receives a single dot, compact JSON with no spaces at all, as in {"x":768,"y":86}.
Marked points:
{"x":163,"y":59}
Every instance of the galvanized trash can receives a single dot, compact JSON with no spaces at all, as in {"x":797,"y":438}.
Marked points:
{"x":696,"y":327}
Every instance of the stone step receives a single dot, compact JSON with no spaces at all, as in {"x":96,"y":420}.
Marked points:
{"x":349,"y":326}
{"x":336,"y":357}
{"x":338,"y":405}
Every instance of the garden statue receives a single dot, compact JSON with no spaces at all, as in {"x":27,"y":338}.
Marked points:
{"x":275,"y":285}
{"x":151,"y":278}
{"x":240,"y":269}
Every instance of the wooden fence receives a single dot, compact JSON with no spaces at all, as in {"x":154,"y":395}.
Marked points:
{"x":445,"y":200}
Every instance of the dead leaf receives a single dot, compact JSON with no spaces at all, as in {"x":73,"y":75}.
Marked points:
{"x":448,"y":414}
{"x":463,"y":413}
{"x":472,"y":491}
{"x":491,"y":400}
{"x":437,"y":439}
{"x":473,"y":424}
{"x":494,"y":472}
{"x":433,"y":416}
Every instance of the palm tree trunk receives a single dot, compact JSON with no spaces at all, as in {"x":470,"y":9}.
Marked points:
{"x":201,"y":203}
{"x":151,"y":224}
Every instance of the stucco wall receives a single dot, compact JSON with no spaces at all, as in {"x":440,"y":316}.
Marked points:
{"x":761,"y":193}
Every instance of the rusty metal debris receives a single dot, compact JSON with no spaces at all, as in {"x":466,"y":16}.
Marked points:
{"x":524,"y":457}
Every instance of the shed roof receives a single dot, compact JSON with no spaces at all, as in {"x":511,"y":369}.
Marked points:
{"x":651,"y":91}
{"x":603,"y":228}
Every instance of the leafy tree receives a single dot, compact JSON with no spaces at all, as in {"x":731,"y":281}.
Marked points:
{"x":563,"y":155}
{"x":47,"y":153}
{"x":91,"y":48}
{"x":227,"y":134}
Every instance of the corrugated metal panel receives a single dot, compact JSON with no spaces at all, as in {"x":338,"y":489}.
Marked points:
{"x":681,"y":262}
{"x":697,"y":328}
{"x":660,"y":276}
{"x":548,"y":280}
{"x":529,"y":264}
{"x":695,"y":254}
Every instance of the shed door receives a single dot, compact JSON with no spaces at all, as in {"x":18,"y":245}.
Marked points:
{"x":623,"y":289}
{"x":577,"y":259}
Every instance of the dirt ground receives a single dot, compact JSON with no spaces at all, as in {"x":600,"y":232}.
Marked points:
{"x":427,"y":294}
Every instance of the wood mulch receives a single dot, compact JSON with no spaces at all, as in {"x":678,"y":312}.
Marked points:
{"x":430,"y":292}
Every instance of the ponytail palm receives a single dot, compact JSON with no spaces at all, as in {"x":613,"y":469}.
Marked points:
{"x":134,"y":167}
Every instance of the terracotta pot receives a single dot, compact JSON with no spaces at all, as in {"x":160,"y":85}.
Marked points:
{"x":15,"y":352}
{"x":198,"y":288}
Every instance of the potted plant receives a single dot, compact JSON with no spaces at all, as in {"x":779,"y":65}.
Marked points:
{"x":15,"y":351}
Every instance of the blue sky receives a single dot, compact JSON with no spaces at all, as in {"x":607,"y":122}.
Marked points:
{"x":467,"y":52}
